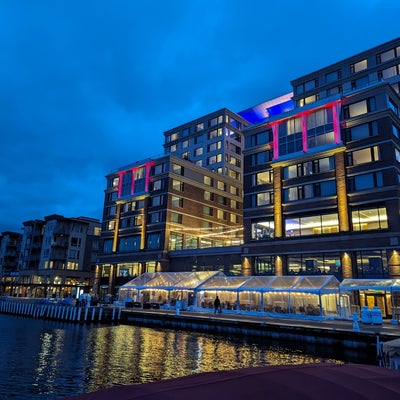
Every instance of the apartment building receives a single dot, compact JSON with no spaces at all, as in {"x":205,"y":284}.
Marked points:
{"x":321,"y":181}
{"x":58,"y":257}
{"x":168,"y":214}
{"x":9,"y":252}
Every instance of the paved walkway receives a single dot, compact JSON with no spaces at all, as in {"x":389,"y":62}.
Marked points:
{"x":386,"y":329}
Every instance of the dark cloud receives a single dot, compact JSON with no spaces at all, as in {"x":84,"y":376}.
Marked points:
{"x":86,"y":84}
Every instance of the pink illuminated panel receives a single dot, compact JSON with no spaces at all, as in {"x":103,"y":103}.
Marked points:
{"x":120,"y":175}
{"x":134,"y":170}
{"x":275,"y":140}
{"x":334,"y":105}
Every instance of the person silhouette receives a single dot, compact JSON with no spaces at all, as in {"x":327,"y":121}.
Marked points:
{"x":217,"y":305}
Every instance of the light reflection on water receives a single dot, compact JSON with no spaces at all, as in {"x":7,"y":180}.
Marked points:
{"x":50,"y":360}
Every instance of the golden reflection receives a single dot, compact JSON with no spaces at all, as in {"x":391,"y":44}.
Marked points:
{"x":130,"y":354}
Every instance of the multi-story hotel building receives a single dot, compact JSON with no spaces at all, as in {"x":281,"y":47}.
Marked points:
{"x":321,"y":181}
{"x":213,"y":141}
{"x":178,"y":212}
{"x":320,"y":177}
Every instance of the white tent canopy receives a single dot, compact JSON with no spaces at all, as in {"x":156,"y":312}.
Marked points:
{"x":301,"y":295}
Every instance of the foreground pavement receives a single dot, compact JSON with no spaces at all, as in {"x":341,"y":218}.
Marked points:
{"x":310,"y":381}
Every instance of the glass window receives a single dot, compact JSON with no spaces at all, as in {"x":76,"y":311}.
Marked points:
{"x":177,"y":185}
{"x":320,"y":128}
{"x":126,"y":187}
{"x":207,"y":210}
{"x":208,"y":195}
{"x":208,"y":181}
{"x":369,"y":219}
{"x":114,"y":182}
{"x":290,"y":136}
{"x":159,"y":169}
{"x":172,"y":136}
{"x":155,"y":217}
{"x":177,"y":169}
{"x":312,"y":225}
{"x":259,"y":139}
{"x":262,"y":178}
{"x":200,"y":126}
{"x":175,"y":241}
{"x":264,"y":265}
{"x":157,"y":185}
{"x":185,"y":132}
{"x":263,"y":229}
{"x":364,"y":155}
{"x":111,"y":225}
{"x":264,"y":199}
{"x":372,"y":264}
{"x":156,"y":201}
{"x":131,"y":243}
{"x":221,"y":214}
{"x":395,"y":131}
{"x":359,"y":108}
{"x":198,"y":139}
{"x":315,"y":264}
{"x":386,"y":56}
{"x":365,"y":181}
{"x":328,"y":188}
{"x":389,"y":72}
{"x":359,"y":66}
{"x":261,"y":158}
{"x":310,"y":85}
{"x":332,"y":76}
{"x":176,"y":201}
{"x":108,"y":246}
{"x":234,"y":190}
{"x":397,"y":154}
{"x":214,"y":146}
{"x":362,"y":131}
{"x":154,"y":241}
{"x":221,"y":185}
{"x":198,"y":151}
{"x":215,"y":133}
{"x":175,"y":217}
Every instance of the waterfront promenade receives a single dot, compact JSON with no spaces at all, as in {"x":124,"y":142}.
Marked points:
{"x":317,"y":330}
{"x":338,"y":332}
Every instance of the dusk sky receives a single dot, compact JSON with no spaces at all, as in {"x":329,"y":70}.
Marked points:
{"x":89,"y":86}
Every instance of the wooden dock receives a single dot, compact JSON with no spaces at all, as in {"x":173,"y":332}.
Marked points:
{"x":40,"y":309}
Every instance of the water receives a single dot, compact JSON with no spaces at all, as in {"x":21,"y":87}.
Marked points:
{"x":50,"y":360}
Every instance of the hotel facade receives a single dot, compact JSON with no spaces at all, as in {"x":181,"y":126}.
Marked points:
{"x":321,"y":181}
{"x":312,"y":177}
{"x":178,"y":212}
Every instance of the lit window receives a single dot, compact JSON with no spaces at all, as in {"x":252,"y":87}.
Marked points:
{"x":358,"y":66}
{"x":369,"y":219}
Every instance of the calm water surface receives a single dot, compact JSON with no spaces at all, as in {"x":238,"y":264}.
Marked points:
{"x":50,"y":360}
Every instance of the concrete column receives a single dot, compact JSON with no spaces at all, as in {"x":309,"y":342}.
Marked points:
{"x":278,"y":218}
{"x":394,"y":264}
{"x":281,"y":268}
{"x":341,"y":189}
{"x":347,"y":269}
{"x":248,"y":266}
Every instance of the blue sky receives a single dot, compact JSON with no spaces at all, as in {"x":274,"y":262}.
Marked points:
{"x":89,"y":86}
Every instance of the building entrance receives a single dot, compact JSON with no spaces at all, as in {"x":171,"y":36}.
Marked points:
{"x":381,"y":300}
